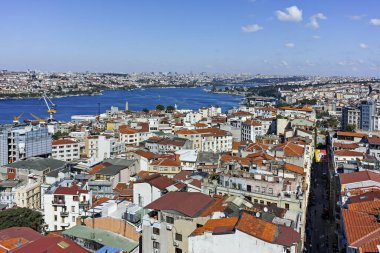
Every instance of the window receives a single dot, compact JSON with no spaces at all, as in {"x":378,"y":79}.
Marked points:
{"x":169,"y":220}
{"x":257,"y":188}
{"x":55,"y":208}
{"x":199,"y":225}
{"x":55,"y":217}
{"x":73,"y":219}
{"x":156,"y":231}
{"x":73,"y":209}
{"x":178,"y":250}
{"x":287,"y":206}
{"x":178,"y":237}
{"x":270,"y":190}
{"x":156,"y":245}
{"x":249,"y":188}
{"x":261,"y":201}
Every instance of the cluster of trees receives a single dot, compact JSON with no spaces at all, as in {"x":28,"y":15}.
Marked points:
{"x":21,"y":217}
{"x":169,"y":108}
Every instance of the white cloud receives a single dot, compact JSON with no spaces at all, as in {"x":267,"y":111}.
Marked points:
{"x":356,"y":17}
{"x":290,"y":45}
{"x":375,"y":21}
{"x":314,"y":20}
{"x":317,"y":37}
{"x":363,"y":45}
{"x":291,"y":14}
{"x":284,"y":63}
{"x":251,"y":28}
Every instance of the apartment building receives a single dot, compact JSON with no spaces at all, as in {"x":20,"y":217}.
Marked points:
{"x":64,"y":205}
{"x":65,"y":150}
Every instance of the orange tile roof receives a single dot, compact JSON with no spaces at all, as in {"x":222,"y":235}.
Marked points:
{"x":347,"y":178}
{"x":227,"y":158}
{"x":212,"y":225}
{"x":167,"y":162}
{"x":145,"y":154}
{"x":294,"y":168}
{"x":251,"y":123}
{"x":98,"y":167}
{"x":296,"y":109}
{"x":256,"y":227}
{"x":351,"y":134}
{"x":186,"y":131}
{"x":370,"y":207}
{"x":127,"y":130}
{"x":358,"y":224}
{"x":12,"y":243}
{"x":348,"y":153}
{"x":256,"y":146}
{"x":290,"y":149}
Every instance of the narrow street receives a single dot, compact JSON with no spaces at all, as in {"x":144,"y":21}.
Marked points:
{"x":319,"y":229}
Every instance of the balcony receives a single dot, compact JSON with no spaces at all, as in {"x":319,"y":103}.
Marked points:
{"x":64,"y":214}
{"x":57,"y":202}
{"x":83,"y":204}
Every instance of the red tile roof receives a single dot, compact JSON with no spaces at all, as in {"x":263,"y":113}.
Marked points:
{"x":63,"y":142}
{"x":290,"y":149}
{"x":347,"y":178}
{"x":158,"y":181}
{"x":51,"y":245}
{"x":73,"y":190}
{"x":348,"y":153}
{"x":251,"y":123}
{"x":294,"y":168}
{"x":188,"y":203}
{"x":374,"y":140}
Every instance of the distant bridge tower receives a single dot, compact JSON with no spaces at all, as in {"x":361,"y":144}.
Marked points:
{"x":126,"y":106}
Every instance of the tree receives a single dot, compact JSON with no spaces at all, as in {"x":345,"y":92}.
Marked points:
{"x":350,"y":128}
{"x":58,"y":135}
{"x":146,"y":110}
{"x":21,"y":217}
{"x":170,"y":108}
{"x":160,"y":107}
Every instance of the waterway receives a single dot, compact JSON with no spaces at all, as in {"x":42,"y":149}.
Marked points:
{"x":184,"y":98}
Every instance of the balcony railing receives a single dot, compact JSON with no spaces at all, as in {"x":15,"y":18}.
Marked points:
{"x":64,"y":214}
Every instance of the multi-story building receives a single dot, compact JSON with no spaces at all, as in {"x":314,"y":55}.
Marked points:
{"x":29,"y":194}
{"x":350,"y":116}
{"x":367,"y":113}
{"x":66,"y":150}
{"x":64,"y":205}
{"x":175,"y":216}
{"x":24,"y":141}
{"x":250,"y":129}
{"x":102,"y":147}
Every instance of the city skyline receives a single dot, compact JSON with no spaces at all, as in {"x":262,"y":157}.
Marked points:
{"x":250,"y":36}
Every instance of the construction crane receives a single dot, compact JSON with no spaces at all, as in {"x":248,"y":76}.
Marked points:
{"x":16,"y":119}
{"x":50,"y":105}
{"x":42,"y":121}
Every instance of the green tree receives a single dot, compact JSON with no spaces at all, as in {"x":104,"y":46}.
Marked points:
{"x":146,"y":110}
{"x":160,"y":107}
{"x":350,"y":128}
{"x":21,"y":217}
{"x":58,"y":135}
{"x":170,"y":108}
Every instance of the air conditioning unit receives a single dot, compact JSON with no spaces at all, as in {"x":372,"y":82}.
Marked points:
{"x":175,"y":244}
{"x":169,"y":227}
{"x":154,"y":237}
{"x":156,"y":251}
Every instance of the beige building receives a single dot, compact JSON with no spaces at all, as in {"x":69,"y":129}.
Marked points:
{"x":29,"y":195}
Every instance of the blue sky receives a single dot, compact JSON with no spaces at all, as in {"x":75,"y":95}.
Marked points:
{"x":324,"y":37}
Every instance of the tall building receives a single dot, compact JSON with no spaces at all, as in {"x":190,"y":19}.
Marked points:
{"x":367,"y":114}
{"x":350,"y":116}
{"x":25,"y":141}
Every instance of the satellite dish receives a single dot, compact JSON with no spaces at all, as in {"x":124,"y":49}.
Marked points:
{"x":258,"y":215}
{"x":265,"y":209}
